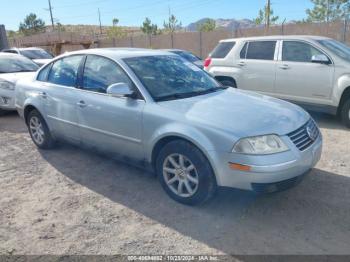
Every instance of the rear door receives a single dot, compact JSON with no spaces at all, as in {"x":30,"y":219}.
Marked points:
{"x":298,"y":78}
{"x":112,"y":124}
{"x":258,"y":66}
{"x":60,"y":97}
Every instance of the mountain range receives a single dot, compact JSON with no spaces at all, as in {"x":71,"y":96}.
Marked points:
{"x":227,"y":24}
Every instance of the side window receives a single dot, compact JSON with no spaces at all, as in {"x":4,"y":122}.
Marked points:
{"x":64,"y":71}
{"x":100,"y":72}
{"x":262,"y":50}
{"x":222,"y":49}
{"x":42,"y":76}
{"x":244,"y":51}
{"x":295,"y":51}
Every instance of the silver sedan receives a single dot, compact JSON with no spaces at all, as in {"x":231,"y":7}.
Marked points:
{"x":162,"y":112}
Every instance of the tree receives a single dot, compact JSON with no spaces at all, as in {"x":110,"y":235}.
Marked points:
{"x":172,"y":24}
{"x":328,"y":10}
{"x":116,"y":31}
{"x":264,"y":15}
{"x":207,"y":26}
{"x":148,"y":28}
{"x":32,"y":25}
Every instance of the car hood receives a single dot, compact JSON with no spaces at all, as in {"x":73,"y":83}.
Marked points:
{"x":240,"y":112}
{"x":14,"y":77}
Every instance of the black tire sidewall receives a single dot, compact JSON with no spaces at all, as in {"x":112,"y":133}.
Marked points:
{"x":207,"y":182}
{"x":48,"y":141}
{"x":345,"y":113}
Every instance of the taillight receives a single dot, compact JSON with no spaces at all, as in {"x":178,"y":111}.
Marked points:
{"x":207,"y":62}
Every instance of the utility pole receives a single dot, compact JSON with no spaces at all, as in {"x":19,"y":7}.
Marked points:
{"x":50,"y":9}
{"x":99,"y":19}
{"x":268,"y":12}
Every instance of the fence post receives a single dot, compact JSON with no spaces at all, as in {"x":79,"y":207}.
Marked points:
{"x":200,"y":44}
{"x":131,"y":41}
{"x":114,"y":42}
{"x":345,"y":27}
{"x":172,"y":40}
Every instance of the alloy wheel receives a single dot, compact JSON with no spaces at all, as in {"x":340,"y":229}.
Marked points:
{"x":36,"y":129}
{"x":180,"y":175}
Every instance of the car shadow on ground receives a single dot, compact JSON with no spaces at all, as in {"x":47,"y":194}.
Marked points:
{"x":328,"y":121}
{"x":312,"y":218}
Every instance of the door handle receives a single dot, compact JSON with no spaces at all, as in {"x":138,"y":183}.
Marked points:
{"x":43,"y":94}
{"x":81,"y":104}
{"x":241,"y":63}
{"x":284,"y":67}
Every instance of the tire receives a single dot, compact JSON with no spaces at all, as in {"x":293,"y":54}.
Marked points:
{"x":229,"y":83}
{"x":345,"y":113}
{"x":37,"y":128}
{"x":197,"y":169}
{"x":2,"y":112}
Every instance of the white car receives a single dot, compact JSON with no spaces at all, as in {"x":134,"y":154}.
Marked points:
{"x":38,"y":55}
{"x":311,"y":71}
{"x":12,"y":68}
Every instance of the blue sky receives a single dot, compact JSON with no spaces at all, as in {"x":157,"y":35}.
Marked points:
{"x":133,"y":12}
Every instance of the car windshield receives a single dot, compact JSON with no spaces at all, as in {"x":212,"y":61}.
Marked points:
{"x":187,"y":55}
{"x":36,"y":54}
{"x":171,"y":77}
{"x":337,"y":48}
{"x":13,"y":64}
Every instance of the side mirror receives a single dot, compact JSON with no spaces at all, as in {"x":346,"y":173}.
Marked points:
{"x":120,"y":90}
{"x":321,"y":59}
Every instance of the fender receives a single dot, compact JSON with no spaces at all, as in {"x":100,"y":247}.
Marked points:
{"x":342,"y":83}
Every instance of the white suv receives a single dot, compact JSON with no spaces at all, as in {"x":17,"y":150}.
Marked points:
{"x":311,"y":71}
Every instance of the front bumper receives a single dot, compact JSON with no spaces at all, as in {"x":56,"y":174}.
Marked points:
{"x":7,"y":100}
{"x":266,"y":169}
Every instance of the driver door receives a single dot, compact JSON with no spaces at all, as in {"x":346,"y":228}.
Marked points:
{"x":112,"y":124}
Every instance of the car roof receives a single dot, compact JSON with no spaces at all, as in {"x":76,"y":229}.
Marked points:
{"x":119,"y":53}
{"x":277,"y":37}
{"x":4,"y":54}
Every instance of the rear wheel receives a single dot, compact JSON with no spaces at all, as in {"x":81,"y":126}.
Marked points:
{"x":39,"y":131}
{"x":185,"y":173}
{"x":345,"y":113}
{"x":2,"y":112}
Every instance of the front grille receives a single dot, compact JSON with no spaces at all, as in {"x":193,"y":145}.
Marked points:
{"x":305,"y":136}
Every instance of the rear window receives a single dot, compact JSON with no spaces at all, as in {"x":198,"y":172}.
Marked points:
{"x":222,"y":49}
{"x":262,"y":50}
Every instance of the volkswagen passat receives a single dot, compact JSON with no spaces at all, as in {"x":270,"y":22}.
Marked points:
{"x":159,"y":110}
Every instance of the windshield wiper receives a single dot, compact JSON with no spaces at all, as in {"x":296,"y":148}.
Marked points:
{"x":189,"y":94}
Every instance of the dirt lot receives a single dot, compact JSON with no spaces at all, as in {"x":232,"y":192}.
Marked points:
{"x":69,"y":201}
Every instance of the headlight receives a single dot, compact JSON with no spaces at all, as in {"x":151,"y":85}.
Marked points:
{"x":7,"y":85}
{"x":260,"y":145}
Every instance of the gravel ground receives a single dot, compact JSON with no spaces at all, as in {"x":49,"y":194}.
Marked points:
{"x":71,"y":201}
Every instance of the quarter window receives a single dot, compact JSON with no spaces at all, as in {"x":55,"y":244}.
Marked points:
{"x":42,"y":76}
{"x":295,"y":51}
{"x":100,"y":72}
{"x":222,"y":49}
{"x":261,"y":50}
{"x":64,"y":71}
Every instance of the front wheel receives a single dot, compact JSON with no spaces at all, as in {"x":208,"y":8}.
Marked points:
{"x":39,"y":131}
{"x":345,"y":113}
{"x":185,"y":173}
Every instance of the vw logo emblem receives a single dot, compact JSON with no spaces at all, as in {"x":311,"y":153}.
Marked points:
{"x":311,"y":134}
